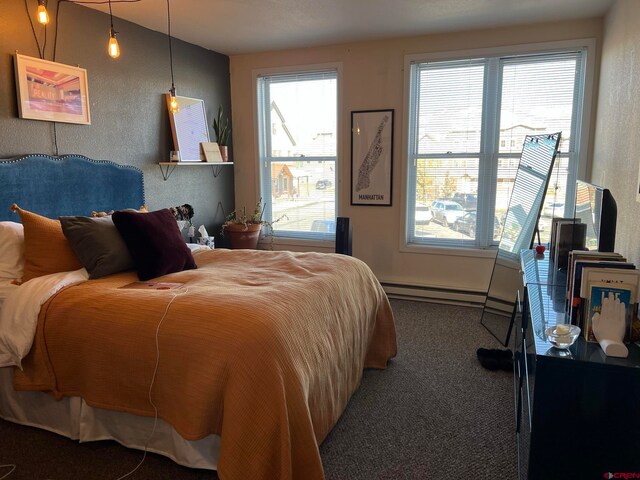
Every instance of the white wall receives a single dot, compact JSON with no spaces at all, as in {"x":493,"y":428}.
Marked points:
{"x":373,"y":78}
{"x":616,"y":156}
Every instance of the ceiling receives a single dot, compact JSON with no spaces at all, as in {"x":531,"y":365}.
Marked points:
{"x":247,"y":26}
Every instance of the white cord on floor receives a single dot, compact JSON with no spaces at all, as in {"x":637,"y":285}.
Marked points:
{"x":12,"y":466}
{"x":153,"y":379}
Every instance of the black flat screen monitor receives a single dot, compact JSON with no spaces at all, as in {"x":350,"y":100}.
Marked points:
{"x":596,"y":208}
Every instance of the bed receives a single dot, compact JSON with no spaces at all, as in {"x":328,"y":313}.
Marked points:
{"x":248,"y":370}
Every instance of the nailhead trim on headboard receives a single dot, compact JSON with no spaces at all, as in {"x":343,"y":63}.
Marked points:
{"x":68,"y":185}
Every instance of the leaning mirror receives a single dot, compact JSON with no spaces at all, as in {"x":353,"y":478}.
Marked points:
{"x":518,"y":230}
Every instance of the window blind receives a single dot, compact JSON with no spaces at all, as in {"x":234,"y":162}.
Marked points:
{"x":467,"y":123}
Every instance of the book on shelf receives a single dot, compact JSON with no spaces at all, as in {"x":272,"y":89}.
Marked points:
{"x":598,"y":291}
{"x":588,"y":255}
{"x":568,"y":236}
{"x":552,"y":234}
{"x":579,"y":260}
{"x":609,"y":275}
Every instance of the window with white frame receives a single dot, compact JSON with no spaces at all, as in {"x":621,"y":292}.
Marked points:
{"x":467,"y":123}
{"x":297,"y":115}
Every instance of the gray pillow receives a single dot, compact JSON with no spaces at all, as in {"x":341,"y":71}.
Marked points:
{"x":98,"y":245}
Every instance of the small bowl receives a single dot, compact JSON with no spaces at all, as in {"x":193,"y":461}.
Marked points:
{"x":562,"y":339}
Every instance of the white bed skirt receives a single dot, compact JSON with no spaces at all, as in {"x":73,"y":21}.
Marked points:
{"x":73,"y":418}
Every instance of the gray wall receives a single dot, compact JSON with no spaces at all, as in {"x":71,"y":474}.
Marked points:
{"x":129,"y":119}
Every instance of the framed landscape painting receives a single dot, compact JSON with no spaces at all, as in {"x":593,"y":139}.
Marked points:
{"x":51,"y":91}
{"x":371,"y":157}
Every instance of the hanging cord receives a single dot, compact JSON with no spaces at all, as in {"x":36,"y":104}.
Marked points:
{"x":55,"y":138}
{"x":153,"y":379}
{"x":33,"y":29}
{"x":42,"y":50}
{"x":170,"y":50}
{"x":111,"y":18}
{"x":11,"y":466}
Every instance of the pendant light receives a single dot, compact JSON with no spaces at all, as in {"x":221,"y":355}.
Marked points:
{"x":41,"y":13}
{"x":173,"y":103}
{"x":113,"y":48}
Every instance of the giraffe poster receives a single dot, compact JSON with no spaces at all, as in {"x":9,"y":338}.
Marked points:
{"x":371,"y":157}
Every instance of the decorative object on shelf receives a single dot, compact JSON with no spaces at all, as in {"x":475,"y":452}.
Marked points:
{"x":212,"y":153}
{"x":371,"y":157}
{"x":244,"y":230}
{"x":189,"y":128}
{"x":174,"y":106}
{"x":223,"y":131}
{"x":174,"y":155}
{"x":609,"y":320}
{"x":39,"y":98}
{"x":562,"y":335}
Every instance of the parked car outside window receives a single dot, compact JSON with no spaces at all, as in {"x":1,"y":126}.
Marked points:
{"x":446,"y":212}
{"x":323,"y":184}
{"x":469,"y":201}
{"x":324,"y":226}
{"x":468,"y":222}
{"x":423,"y":215}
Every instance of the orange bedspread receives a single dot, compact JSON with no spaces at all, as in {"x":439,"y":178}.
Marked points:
{"x":265,"y":349}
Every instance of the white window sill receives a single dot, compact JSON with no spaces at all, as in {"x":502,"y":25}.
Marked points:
{"x":452,"y":251}
{"x":296,"y":242}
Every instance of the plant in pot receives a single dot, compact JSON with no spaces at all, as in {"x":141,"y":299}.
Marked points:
{"x":243,"y":231}
{"x":223,"y":131}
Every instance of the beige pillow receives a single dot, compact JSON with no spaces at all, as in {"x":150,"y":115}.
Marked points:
{"x":11,"y":250}
{"x":46,"y":249}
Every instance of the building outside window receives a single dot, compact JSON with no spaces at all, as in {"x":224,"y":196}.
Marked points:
{"x":467,"y":123}
{"x":297,"y":114}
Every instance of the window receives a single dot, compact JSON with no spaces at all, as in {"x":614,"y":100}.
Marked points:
{"x":298,"y":143}
{"x":467,"y":123}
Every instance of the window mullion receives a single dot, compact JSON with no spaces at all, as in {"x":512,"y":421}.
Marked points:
{"x":488,"y":168}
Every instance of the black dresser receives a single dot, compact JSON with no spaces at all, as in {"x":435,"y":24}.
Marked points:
{"x":577,"y":410}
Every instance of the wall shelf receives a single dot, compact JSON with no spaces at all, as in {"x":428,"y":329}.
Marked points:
{"x":167,"y":168}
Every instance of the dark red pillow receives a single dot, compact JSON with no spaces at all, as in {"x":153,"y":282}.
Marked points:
{"x":154,"y":242}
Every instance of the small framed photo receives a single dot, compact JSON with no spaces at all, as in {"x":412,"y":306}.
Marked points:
{"x":371,"y":157}
{"x":51,"y":91}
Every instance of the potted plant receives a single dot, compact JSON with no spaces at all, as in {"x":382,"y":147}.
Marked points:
{"x":242,"y":230}
{"x":222,"y":130}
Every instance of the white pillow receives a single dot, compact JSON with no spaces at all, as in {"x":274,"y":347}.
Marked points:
{"x":6,"y":287}
{"x":11,"y":250}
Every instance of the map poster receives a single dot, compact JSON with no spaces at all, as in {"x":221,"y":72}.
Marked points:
{"x":371,"y":157}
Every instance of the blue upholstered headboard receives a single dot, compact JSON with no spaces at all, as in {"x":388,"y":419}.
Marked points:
{"x":67,"y":185}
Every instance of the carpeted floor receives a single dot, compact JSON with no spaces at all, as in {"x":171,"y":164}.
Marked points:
{"x":433,"y":414}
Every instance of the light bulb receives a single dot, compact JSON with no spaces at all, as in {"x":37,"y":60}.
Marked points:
{"x":43,"y":16}
{"x":173,"y":103}
{"x":113,"y":48}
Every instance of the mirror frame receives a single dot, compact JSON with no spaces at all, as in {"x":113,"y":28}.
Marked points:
{"x":536,"y":160}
